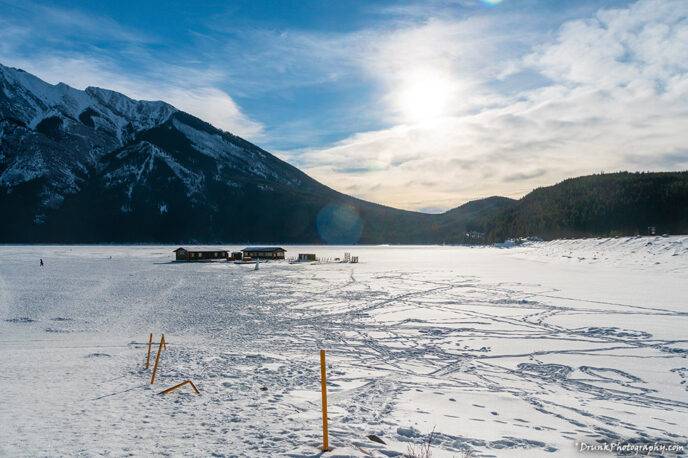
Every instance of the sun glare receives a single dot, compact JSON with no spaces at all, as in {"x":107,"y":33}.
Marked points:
{"x":424,"y":97}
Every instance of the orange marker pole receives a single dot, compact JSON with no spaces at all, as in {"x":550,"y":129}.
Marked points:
{"x":157,"y":359}
{"x":179,"y":385}
{"x":194,"y":387}
{"x":150,"y":342}
{"x":323,"y":382}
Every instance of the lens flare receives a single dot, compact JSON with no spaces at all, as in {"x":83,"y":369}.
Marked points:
{"x":339,"y":224}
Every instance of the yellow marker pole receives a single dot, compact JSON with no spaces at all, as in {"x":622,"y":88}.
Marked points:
{"x":323,"y":382}
{"x":150,"y":342}
{"x":157,"y":359}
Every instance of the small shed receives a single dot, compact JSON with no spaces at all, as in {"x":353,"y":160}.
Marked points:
{"x":264,"y":252}
{"x":305,"y":257}
{"x":187,"y":254}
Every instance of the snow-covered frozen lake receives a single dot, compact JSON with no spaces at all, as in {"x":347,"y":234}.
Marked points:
{"x":502,"y":351}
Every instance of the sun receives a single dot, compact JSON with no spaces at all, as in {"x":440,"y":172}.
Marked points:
{"x":423,"y":96}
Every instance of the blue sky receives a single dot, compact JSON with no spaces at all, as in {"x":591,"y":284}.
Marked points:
{"x":420,"y":105}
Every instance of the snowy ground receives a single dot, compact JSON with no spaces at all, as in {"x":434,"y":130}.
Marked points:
{"x":503,"y":352}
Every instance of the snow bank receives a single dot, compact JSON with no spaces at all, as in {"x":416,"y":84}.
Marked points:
{"x":635,"y":252}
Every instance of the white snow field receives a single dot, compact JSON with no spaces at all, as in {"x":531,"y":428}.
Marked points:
{"x":521,"y":351}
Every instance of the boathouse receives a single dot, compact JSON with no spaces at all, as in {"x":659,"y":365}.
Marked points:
{"x":186,"y":254}
{"x":264,"y":252}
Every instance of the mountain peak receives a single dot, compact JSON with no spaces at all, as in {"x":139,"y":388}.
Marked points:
{"x":28,"y":98}
{"x":117,"y":98}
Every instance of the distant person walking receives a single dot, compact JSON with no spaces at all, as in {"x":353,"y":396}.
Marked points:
{"x":41,"y":262}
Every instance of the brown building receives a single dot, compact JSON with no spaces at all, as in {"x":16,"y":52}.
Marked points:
{"x":184,"y":254}
{"x":264,"y":252}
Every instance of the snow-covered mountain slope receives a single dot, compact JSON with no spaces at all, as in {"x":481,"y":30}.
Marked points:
{"x":49,"y":130}
{"x":55,"y":133}
{"x":30,"y":100}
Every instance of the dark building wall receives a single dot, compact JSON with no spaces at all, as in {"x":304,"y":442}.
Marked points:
{"x":201,"y":255}
{"x":265,"y":254}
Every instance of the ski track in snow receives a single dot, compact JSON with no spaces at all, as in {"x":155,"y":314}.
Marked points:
{"x":501,"y":351}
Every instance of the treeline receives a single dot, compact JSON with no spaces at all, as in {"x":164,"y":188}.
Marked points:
{"x":598,"y":205}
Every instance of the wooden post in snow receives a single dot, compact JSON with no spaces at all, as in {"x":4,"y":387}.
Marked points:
{"x":157,"y":359}
{"x":150,"y":342}
{"x":323,"y":383}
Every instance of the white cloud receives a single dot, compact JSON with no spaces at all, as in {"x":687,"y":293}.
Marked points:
{"x":616,"y":98}
{"x":216,"y":107}
{"x":644,"y":42}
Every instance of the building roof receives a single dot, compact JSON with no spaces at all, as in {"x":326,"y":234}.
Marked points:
{"x":205,"y":250}
{"x":264,"y":249}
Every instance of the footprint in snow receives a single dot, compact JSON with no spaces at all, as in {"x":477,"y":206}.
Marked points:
{"x":58,"y":331}
{"x":377,"y":439}
{"x":21,"y":319}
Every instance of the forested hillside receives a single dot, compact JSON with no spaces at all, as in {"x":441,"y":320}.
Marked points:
{"x":597,"y":205}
